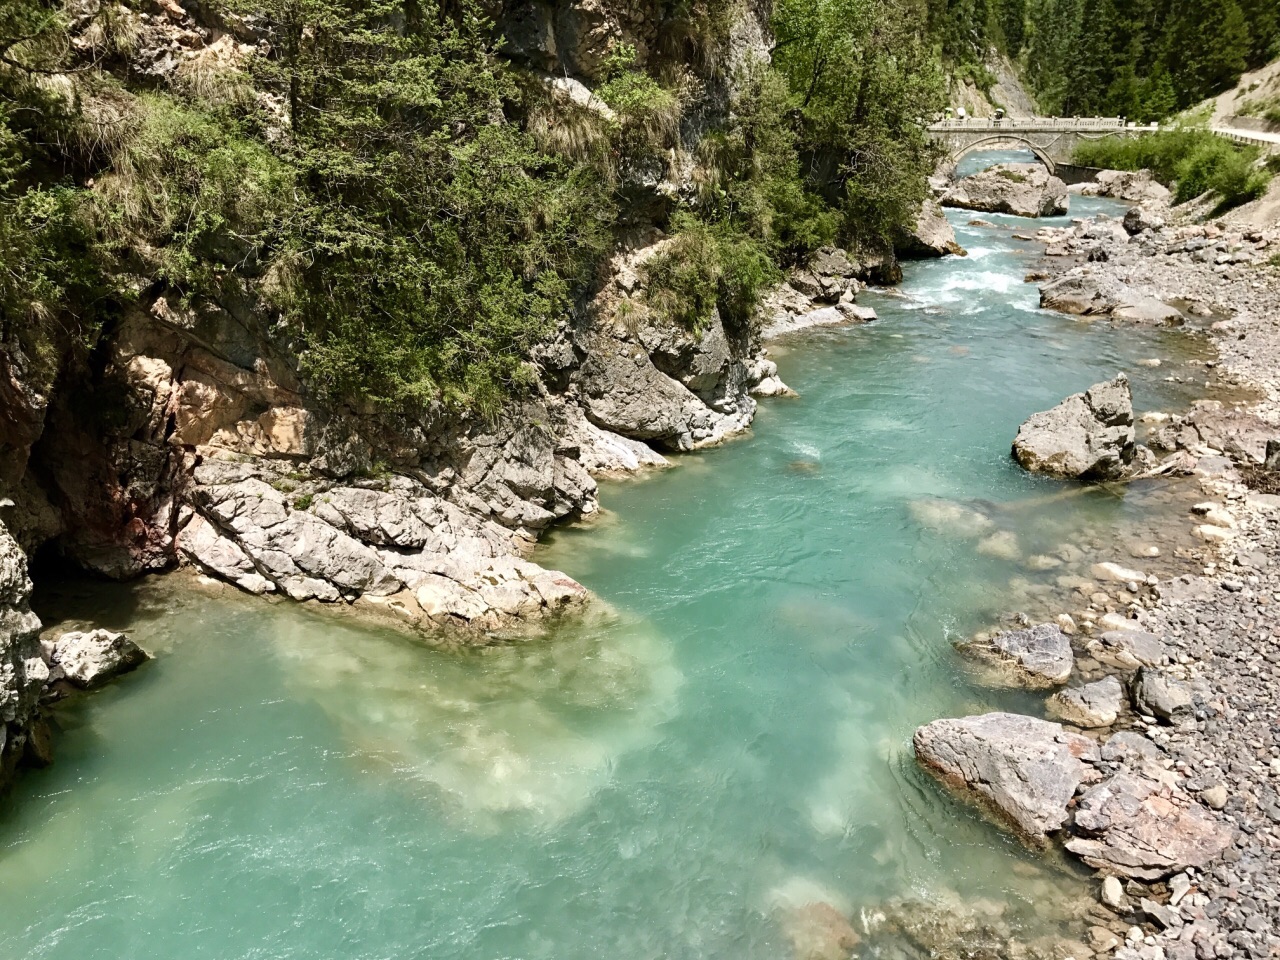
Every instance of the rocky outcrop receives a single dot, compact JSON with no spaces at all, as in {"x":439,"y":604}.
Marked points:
{"x":1036,"y":658}
{"x":931,"y":236}
{"x":1021,"y":189}
{"x":1089,"y":436}
{"x":88,"y":659}
{"x":1134,"y":827}
{"x":1025,"y":769}
{"x":1085,"y":293}
{"x":23,"y":672}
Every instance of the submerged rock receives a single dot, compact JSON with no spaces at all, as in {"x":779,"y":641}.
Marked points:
{"x":1092,"y":705}
{"x":1138,"y":828}
{"x":1022,"y":189}
{"x":1037,"y":657}
{"x":89,"y":659}
{"x":1089,"y":436}
{"x":1027,"y":770}
{"x":818,"y":931}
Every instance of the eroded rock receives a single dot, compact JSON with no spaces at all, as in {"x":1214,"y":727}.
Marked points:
{"x":1095,"y":704}
{"x":1089,"y":436}
{"x":1036,"y":658}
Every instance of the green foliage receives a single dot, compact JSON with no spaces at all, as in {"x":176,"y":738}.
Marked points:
{"x":704,"y":270}
{"x":435,"y":245}
{"x":304,"y":502}
{"x":1012,"y":175}
{"x":862,"y":78}
{"x":1142,"y":59}
{"x":1189,"y":161}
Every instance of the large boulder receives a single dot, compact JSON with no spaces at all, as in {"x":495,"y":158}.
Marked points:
{"x":1089,"y":436}
{"x":1156,"y":694}
{"x":1037,"y":657}
{"x":1127,"y":649}
{"x":1022,"y":189}
{"x":90,"y":658}
{"x":1136,"y":186}
{"x":931,"y":236}
{"x":1136,"y":827}
{"x":1025,"y":769}
{"x":1084,"y":293}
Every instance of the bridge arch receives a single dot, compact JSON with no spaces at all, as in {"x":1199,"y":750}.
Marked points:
{"x":1004,"y":140}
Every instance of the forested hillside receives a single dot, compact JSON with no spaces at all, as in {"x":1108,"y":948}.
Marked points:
{"x":414,"y":204}
{"x":1142,"y":59}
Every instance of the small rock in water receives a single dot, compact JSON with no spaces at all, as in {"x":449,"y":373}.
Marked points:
{"x":1040,"y":656}
{"x":1149,"y":362}
{"x":818,"y":931}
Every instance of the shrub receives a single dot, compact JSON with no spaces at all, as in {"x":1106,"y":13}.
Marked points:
{"x":1189,"y":161}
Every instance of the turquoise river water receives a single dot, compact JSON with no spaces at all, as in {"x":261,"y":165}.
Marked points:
{"x":661,"y":782}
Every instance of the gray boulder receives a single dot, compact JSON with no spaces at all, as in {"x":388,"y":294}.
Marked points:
{"x":1037,"y":657}
{"x":1022,"y":189}
{"x":1092,"y":705}
{"x":1128,"y":649}
{"x":1135,"y":827}
{"x":91,"y":658}
{"x":1158,"y":695}
{"x":931,"y":236}
{"x":1089,"y":436}
{"x":1025,"y":769}
{"x":1081,"y":292}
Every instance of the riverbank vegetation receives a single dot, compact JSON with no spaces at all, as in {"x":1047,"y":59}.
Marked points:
{"x":411,"y":209}
{"x":1190,"y":162}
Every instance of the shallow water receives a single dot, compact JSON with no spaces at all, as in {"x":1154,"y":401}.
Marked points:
{"x":657,"y":782}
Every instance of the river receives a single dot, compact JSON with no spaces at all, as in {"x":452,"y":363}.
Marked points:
{"x":662,"y":781}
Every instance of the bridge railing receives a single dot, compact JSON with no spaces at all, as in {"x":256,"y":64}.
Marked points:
{"x":1041,"y":124}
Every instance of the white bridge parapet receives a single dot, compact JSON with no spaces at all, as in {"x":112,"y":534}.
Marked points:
{"x":1039,"y":125}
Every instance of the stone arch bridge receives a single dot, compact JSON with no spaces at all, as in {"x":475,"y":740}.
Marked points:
{"x":1053,"y":140}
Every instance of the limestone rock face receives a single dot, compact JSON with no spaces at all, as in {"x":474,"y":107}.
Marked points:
{"x":22,"y":670}
{"x":1136,"y":186}
{"x":89,"y":659}
{"x":1022,"y":189}
{"x":1134,"y":827}
{"x":1092,"y":705}
{"x":1089,"y":436}
{"x":1026,"y":769}
{"x":931,"y":236}
{"x":1036,"y":658}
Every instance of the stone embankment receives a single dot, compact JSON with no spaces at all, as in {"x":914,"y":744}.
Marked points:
{"x":1164,"y":772}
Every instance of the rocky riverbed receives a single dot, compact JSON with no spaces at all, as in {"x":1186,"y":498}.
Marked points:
{"x":1171,"y":787}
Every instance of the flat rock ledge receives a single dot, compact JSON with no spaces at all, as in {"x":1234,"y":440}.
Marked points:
{"x":1127,"y":821}
{"x":1096,"y":704}
{"x":1036,"y":658}
{"x":1021,"y":189}
{"x":1089,"y":436}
